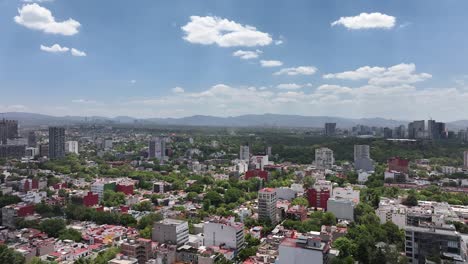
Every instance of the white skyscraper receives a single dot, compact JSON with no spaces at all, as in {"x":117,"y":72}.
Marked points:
{"x":324,"y":158}
{"x":244,"y":153}
{"x":71,"y":147}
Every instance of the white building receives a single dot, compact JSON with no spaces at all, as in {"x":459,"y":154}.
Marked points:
{"x":362,"y":160}
{"x":171,"y":231}
{"x":244,"y":153}
{"x":32,"y":152}
{"x":224,"y":231}
{"x":302,"y":250}
{"x":71,"y":147}
{"x":324,"y":158}
{"x":448,"y":170}
{"x":259,"y":161}
{"x":347,"y":193}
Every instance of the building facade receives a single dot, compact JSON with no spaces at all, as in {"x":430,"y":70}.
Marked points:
{"x":56,"y":142}
{"x":267,"y":199}
{"x":171,"y":231}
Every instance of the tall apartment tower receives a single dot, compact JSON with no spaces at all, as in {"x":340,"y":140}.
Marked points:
{"x":244,"y":153}
{"x":32,"y":140}
{"x":324,"y":158}
{"x":171,"y":231}
{"x":8,"y":130}
{"x":56,"y":142}
{"x":267,"y":199}
{"x":330,"y":129}
{"x":157,"y":148}
{"x":416,"y":129}
{"x":362,"y":160}
{"x":465,"y":159}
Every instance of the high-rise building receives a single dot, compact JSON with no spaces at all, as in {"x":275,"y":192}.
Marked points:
{"x":362,"y":160}
{"x":171,"y":231}
{"x":465,"y":159}
{"x":330,"y":129}
{"x":387,"y":132}
{"x":416,"y":129}
{"x":56,"y":142}
{"x":399,"y":132}
{"x":324,"y":158}
{"x":72,"y":147}
{"x":32,"y":141}
{"x":157,"y":148}
{"x":8,"y":130}
{"x":398,"y":164}
{"x":267,"y":199}
{"x":244,"y":153}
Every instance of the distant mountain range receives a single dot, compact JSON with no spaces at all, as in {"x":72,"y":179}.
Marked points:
{"x":264,"y":120}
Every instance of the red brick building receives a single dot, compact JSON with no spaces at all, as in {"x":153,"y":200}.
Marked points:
{"x":318,"y":197}
{"x":126,"y":188}
{"x":398,"y":164}
{"x":256,"y":173}
{"x":91,"y":199}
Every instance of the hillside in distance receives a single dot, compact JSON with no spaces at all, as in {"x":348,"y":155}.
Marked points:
{"x":263,"y":120}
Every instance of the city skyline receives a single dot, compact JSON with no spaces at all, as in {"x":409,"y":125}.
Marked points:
{"x":324,"y":58}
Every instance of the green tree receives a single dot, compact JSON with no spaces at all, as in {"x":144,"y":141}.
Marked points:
{"x":52,"y":227}
{"x":300,"y":201}
{"x":10,"y":256}
{"x":70,"y":234}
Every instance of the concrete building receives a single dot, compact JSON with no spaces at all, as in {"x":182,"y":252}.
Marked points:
{"x":224,"y":232}
{"x":56,"y":142}
{"x":324,"y":158}
{"x":259,"y":161}
{"x":244,"y":152}
{"x":465,"y":159}
{"x":416,"y":129}
{"x":286,"y":193}
{"x":71,"y":147}
{"x":100,"y":186}
{"x":11,"y":213}
{"x":32,"y":152}
{"x":341,"y":208}
{"x":267,"y":199}
{"x":347,"y":193}
{"x":157,"y":148}
{"x":398,"y":164}
{"x":330,"y":129}
{"x":171,"y":231}
{"x":303,"y":250}
{"x":362,"y":160}
{"x":8,"y":130}
{"x":32,"y":140}
{"x":139,"y":249}
{"x":425,"y":243}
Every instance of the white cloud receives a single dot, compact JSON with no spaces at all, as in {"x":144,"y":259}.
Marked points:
{"x":133,"y":81}
{"x":77,"y":53}
{"x":210,"y":30}
{"x":270,"y":63}
{"x":37,"y":1}
{"x":178,"y":90}
{"x":289,"y":86}
{"x":301,"y":70}
{"x":398,"y":74}
{"x":367,"y":21}
{"x":279,"y":42}
{"x":56,"y":48}
{"x":34,"y":16}
{"x":83,"y":101}
{"x":247,"y":54}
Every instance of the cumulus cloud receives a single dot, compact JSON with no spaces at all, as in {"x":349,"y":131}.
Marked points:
{"x":210,"y":30}
{"x":77,"y":53}
{"x":293,"y":86}
{"x":301,"y":70}
{"x":366,"y":21}
{"x":270,"y":63}
{"x":56,"y":48}
{"x":34,"y":16}
{"x":178,"y":90}
{"x":247,"y":54}
{"x":398,"y":74}
{"x":83,"y":101}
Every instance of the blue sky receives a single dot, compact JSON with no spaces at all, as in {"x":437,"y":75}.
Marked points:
{"x":395,"y":59}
